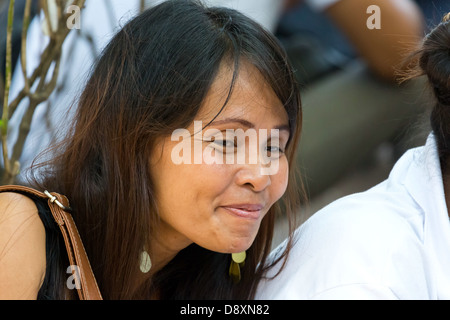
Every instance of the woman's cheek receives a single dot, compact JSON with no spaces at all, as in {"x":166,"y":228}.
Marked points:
{"x":280,"y":179}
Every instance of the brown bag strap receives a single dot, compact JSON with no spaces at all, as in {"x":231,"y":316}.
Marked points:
{"x":60,"y":208}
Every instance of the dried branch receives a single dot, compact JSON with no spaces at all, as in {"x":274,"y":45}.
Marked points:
{"x":50,"y":56}
{"x":45,"y":8}
{"x":42,"y":68}
{"x":2,"y":89}
{"x":23,"y":49}
{"x":8,"y":75}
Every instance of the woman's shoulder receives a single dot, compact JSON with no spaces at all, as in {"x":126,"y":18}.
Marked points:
{"x":22,"y":247}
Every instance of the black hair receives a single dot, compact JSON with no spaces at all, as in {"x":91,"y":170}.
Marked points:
{"x":434,"y":62}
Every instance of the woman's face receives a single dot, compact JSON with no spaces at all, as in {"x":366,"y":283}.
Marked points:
{"x":206,"y":193}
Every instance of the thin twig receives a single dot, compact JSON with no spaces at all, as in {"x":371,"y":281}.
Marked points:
{"x":23,"y":49}
{"x":2,"y":89}
{"x":8,"y":74}
{"x":44,"y":4}
{"x":60,"y":12}
{"x":24,"y":129}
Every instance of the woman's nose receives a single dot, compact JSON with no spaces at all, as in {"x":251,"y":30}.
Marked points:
{"x":254,"y":176}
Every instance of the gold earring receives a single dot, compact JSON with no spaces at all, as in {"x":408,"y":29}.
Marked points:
{"x":237,"y":262}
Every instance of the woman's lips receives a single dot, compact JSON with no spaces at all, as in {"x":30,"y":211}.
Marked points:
{"x":249,"y":211}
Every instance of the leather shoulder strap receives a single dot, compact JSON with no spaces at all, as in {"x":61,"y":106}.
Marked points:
{"x":60,"y":208}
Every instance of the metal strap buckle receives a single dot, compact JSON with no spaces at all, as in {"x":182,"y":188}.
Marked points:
{"x":53,"y":199}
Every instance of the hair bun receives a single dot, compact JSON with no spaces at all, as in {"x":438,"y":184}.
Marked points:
{"x":435,"y":60}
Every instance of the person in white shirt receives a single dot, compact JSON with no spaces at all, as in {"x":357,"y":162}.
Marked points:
{"x":392,"y":241}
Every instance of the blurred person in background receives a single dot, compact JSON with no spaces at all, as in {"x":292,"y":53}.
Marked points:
{"x":352,"y":102}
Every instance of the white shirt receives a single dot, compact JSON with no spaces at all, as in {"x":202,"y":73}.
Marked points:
{"x":390,"y":242}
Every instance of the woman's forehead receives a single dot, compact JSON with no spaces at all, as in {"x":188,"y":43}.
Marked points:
{"x":251,"y":96}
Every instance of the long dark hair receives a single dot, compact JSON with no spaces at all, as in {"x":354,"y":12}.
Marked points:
{"x":433,"y":60}
{"x":150,"y":80}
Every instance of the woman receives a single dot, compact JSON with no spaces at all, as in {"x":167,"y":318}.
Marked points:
{"x":392,"y":241}
{"x":154,"y":227}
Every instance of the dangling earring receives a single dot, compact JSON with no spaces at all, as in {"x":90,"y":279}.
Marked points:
{"x":237,"y":262}
{"x":146,"y":262}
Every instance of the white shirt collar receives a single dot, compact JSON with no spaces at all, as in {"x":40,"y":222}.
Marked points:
{"x":424,"y":180}
{"x":425,"y":184}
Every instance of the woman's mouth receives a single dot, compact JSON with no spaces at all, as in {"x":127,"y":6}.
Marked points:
{"x":249,"y":211}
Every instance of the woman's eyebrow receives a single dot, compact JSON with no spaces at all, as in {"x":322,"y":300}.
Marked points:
{"x":247,"y":124}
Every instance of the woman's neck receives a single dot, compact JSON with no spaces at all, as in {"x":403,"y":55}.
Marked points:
{"x":160,"y":254}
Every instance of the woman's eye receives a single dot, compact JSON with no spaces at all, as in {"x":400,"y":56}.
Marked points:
{"x":225,"y":143}
{"x":274,"y":150}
